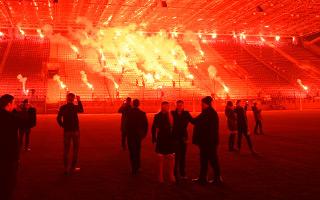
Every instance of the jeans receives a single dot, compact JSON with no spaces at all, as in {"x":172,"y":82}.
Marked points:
{"x":24,"y":132}
{"x":74,"y":138}
{"x":209,"y":155}
{"x":258,"y":126}
{"x":134,"y":146}
{"x":232,"y":138}
{"x":180,"y":160}
{"x":244,"y":132}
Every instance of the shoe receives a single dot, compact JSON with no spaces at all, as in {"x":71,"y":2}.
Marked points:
{"x":184,"y":178}
{"x":27,"y":148}
{"x":199,"y":181}
{"x":75,"y":170}
{"x":216,"y":181}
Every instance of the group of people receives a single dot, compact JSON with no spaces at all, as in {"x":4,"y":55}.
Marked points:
{"x":16,"y":123}
{"x":169,"y":135}
{"x":237,"y":123}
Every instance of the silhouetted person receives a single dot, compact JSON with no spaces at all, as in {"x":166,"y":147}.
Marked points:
{"x":258,"y":119}
{"x":232,"y":124}
{"x":136,"y":129}
{"x":242,"y":122}
{"x":68,"y":119}
{"x":181,"y":119}
{"x":9,"y":146}
{"x":162,"y":136}
{"x":125,"y":107}
{"x":206,"y":137}
{"x":28,"y":120}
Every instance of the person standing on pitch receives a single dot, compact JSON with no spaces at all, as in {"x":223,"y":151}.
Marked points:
{"x":9,"y":146}
{"x":136,"y":129}
{"x":163,"y":138}
{"x":126,"y":106}
{"x":242,"y":122}
{"x":68,"y":119}
{"x":206,"y":137}
{"x":258,"y":119}
{"x":28,"y":116}
{"x":181,"y":119}
{"x":232,"y":124}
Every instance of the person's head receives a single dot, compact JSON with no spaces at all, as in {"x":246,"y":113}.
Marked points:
{"x":136,"y":103}
{"x":70,"y":97}
{"x":128,"y":100}
{"x":180,"y":105}
{"x":255,"y":104}
{"x":25,"y":103}
{"x":229,"y":104}
{"x":206,"y":102}
{"x":7,"y":102}
{"x":238,"y":103}
{"x":165,"y":106}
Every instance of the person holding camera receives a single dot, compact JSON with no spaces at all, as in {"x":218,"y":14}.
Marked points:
{"x":68,"y":119}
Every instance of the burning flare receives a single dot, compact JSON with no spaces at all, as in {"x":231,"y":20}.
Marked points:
{"x":84,"y":79}
{"x":23,"y":81}
{"x":302,"y":85}
{"x":61,"y":83}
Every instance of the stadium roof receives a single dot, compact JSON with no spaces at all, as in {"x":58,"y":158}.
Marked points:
{"x":255,"y":17}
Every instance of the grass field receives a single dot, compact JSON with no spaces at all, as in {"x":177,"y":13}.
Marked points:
{"x":287,"y":167}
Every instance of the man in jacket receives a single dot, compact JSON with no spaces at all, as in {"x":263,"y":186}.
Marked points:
{"x":206,"y":137}
{"x":135,"y":129}
{"x":242,"y":123}
{"x":9,"y":146}
{"x":68,"y":119}
{"x":181,"y":119}
{"x":28,"y":119}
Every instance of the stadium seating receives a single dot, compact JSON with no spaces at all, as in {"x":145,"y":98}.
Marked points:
{"x":247,"y":70}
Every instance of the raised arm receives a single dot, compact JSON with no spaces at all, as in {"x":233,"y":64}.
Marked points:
{"x":80,"y":106}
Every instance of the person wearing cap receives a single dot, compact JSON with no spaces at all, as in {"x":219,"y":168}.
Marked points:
{"x":68,"y":119}
{"x":28,"y":120}
{"x":9,"y":146}
{"x":164,"y":140}
{"x":242,"y":125}
{"x":136,"y":129}
{"x":206,"y":137}
{"x":181,"y":120}
{"x":125,"y":107}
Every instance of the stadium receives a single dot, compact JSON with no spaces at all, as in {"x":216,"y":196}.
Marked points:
{"x":263,"y":52}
